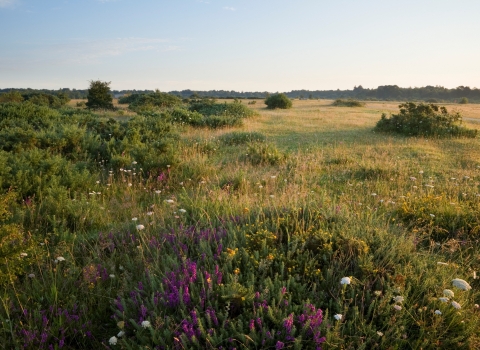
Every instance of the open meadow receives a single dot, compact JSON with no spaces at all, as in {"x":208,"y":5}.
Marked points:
{"x":295,"y":229}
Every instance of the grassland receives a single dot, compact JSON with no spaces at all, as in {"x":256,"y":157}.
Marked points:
{"x":245,"y":245}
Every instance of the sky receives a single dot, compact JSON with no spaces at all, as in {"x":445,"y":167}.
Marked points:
{"x":242,"y":45}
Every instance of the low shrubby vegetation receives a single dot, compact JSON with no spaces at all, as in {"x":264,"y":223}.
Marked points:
{"x":280,"y":101}
{"x":154,"y":231}
{"x":348,"y":103}
{"x":427,"y":120}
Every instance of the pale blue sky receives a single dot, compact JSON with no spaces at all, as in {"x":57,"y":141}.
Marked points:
{"x":243,"y":45}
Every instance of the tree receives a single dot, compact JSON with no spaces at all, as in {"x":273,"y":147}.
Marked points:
{"x":99,"y":96}
{"x":278,"y":101}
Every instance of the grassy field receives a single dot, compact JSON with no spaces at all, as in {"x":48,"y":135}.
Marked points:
{"x":323,"y":235}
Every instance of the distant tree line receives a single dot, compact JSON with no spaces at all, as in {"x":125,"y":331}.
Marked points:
{"x":384,"y":92}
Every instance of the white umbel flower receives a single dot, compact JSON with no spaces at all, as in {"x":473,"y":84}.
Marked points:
{"x":345,"y":280}
{"x":338,"y":317}
{"x":456,"y":305}
{"x":113,"y":340}
{"x":461,"y":284}
{"x":398,"y":299}
{"x":146,"y":324}
{"x":438,"y":312}
{"x":448,"y":293}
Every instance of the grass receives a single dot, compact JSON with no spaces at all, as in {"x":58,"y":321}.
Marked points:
{"x":259,"y":241}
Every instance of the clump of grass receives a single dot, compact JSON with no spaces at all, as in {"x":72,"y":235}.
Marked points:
{"x":241,"y":137}
{"x":424,"y":120}
{"x":348,"y":103}
{"x":264,"y":154}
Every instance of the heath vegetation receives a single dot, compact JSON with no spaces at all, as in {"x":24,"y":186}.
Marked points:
{"x":202,"y":225}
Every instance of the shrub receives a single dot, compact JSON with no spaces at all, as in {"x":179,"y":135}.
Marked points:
{"x":424,"y":120}
{"x":12,"y":96}
{"x":99,"y":96}
{"x":463,"y":101}
{"x":155,"y":100}
{"x":261,"y":153}
{"x":278,"y":101}
{"x":348,"y":103}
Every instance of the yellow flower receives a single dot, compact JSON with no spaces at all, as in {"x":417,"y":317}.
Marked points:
{"x":236,"y":271}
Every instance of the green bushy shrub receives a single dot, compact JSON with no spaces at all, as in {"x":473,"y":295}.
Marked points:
{"x":262,"y":153}
{"x":12,"y":96}
{"x":424,"y":120}
{"x":278,"y":101}
{"x":348,"y":103}
{"x":463,"y":101}
{"x":155,"y":100}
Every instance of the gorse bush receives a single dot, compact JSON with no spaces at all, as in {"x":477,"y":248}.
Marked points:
{"x":278,"y":101}
{"x":348,"y":103}
{"x":424,"y":120}
{"x":156,"y":100}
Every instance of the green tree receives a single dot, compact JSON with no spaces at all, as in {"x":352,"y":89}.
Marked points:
{"x":99,"y":96}
{"x":12,"y":96}
{"x":463,"y":101}
{"x":278,"y":101}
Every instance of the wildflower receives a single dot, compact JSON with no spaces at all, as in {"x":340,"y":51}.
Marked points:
{"x":134,"y":162}
{"x":398,"y":299}
{"x":432,"y":215}
{"x":279,"y":345}
{"x":476,"y":306}
{"x":149,"y":213}
{"x":113,"y":340}
{"x":140,"y":227}
{"x":120,"y":334}
{"x":32,"y":275}
{"x":444,"y":300}
{"x":338,"y":317}
{"x":456,"y":305}
{"x":345,"y":280}
{"x":129,"y":184}
{"x":146,"y":324}
{"x":377,"y":293}
{"x":413,"y":178}
{"x":236,"y":271}
{"x":420,"y":172}
{"x":60,"y":258}
{"x":448,"y":293}
{"x":397,"y":307}
{"x":461,"y":284}
{"x":415,"y":187}
{"x":438,"y":312}
{"x":158,"y":191}
{"x":170,"y":201}
{"x":441,"y":263}
{"x":112,"y":276}
{"x":121,"y":324}
{"x":374,"y":194}
{"x":273,"y":177}
{"x":380,"y":334}
{"x":183,"y":211}
{"x":134,"y":219}
{"x":23,"y":255}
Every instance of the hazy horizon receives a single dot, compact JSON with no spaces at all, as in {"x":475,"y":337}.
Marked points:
{"x":241,"y":46}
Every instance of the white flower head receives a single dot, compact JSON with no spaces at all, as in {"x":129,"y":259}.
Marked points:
{"x":461,"y":284}
{"x":338,"y":317}
{"x":120,"y":334}
{"x":380,"y":334}
{"x":32,"y":275}
{"x":60,"y":258}
{"x":170,"y":201}
{"x":438,"y":312}
{"x":456,"y":305}
{"x":149,"y":213}
{"x":398,"y":299}
{"x":112,"y":276}
{"x":444,"y":299}
{"x":146,"y":324}
{"x":113,"y":340}
{"x":22,"y":255}
{"x":183,"y":211}
{"x":134,"y":219}
{"x":345,"y":280}
{"x":448,"y":293}
{"x":397,"y":307}
{"x":140,"y":227}
{"x":442,"y":263}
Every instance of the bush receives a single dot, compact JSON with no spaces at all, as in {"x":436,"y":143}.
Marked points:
{"x":424,"y":120}
{"x":99,"y":96}
{"x":278,"y":101}
{"x":348,"y":103}
{"x":264,"y":154}
{"x":12,"y":96}
{"x":463,"y":101}
{"x":156,"y":100}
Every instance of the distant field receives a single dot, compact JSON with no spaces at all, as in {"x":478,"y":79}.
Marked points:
{"x":302,"y":228}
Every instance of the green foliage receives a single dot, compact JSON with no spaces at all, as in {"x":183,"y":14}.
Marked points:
{"x":241,"y":137}
{"x":49,"y":100}
{"x":264,"y":154}
{"x":99,"y":96}
{"x":463,"y":101}
{"x":348,"y":103}
{"x":156,"y":100}
{"x":424,"y":120}
{"x":12,"y":96}
{"x":278,"y":101}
